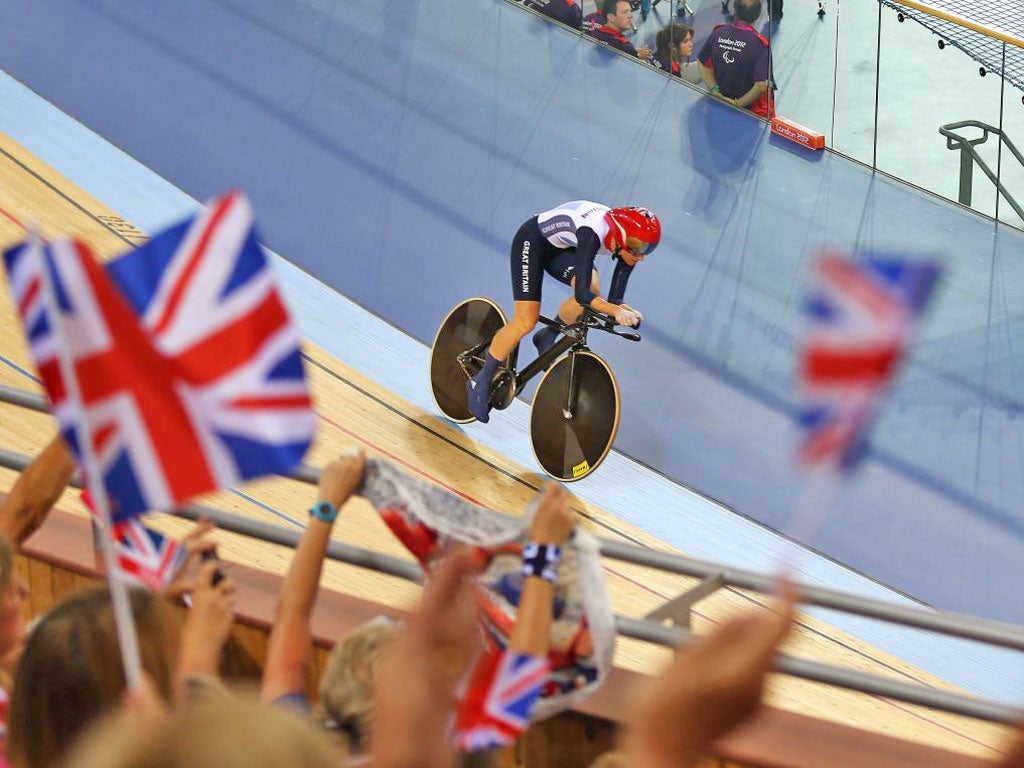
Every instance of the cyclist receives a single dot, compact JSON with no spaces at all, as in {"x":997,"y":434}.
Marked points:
{"x":564,"y":243}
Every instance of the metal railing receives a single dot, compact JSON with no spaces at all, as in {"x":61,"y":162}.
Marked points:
{"x":969,"y":156}
{"x":650,"y":628}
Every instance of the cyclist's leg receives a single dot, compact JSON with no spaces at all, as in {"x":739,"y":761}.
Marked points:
{"x":523,"y":320}
{"x":504,"y":341}
{"x":562,"y":268}
{"x":529,"y":248}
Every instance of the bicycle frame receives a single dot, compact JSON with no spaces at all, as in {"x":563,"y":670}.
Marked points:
{"x":574,"y":339}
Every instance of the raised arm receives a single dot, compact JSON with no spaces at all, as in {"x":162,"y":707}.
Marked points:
{"x":551,"y":528}
{"x":35,"y":492}
{"x":290,"y":647}
{"x":709,"y":689}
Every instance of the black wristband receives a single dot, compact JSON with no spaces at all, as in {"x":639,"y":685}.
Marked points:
{"x":541,"y":560}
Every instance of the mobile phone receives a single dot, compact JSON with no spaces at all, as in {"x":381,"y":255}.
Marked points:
{"x":218,"y":575}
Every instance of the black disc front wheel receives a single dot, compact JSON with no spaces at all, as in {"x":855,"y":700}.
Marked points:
{"x":458,"y":353}
{"x":575,"y":416}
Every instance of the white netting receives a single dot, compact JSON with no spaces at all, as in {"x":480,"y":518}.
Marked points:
{"x":1005,"y":17}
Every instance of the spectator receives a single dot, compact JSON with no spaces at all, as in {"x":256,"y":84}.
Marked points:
{"x":774,"y":9}
{"x":709,"y":689}
{"x":618,"y":17}
{"x":673,"y":47}
{"x":349,"y":683}
{"x":13,"y":594}
{"x":35,"y":492}
{"x":419,"y":674}
{"x":233,"y":733}
{"x":71,"y":671}
{"x":288,"y":666}
{"x":349,"y":687}
{"x":735,"y":62}
{"x":567,"y":12}
{"x":611,"y":760}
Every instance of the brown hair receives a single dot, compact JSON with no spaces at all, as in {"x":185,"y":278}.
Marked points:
{"x":667,"y":40}
{"x":230,"y":733}
{"x":71,"y":672}
{"x":6,"y":563}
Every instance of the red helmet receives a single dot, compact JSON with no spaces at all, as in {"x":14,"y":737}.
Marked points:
{"x":635,"y":228}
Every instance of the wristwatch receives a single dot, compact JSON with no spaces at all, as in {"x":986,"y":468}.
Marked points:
{"x":325,"y":511}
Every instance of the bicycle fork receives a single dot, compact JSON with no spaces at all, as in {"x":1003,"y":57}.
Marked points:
{"x":571,"y":396}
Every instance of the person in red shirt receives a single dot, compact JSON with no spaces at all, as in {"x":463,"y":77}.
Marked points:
{"x":618,"y":17}
{"x":735,"y":62}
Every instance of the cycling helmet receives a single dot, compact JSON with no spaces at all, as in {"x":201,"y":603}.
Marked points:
{"x":636,"y":228}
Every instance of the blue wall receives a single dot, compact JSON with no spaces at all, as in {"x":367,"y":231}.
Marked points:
{"x":391,"y":148}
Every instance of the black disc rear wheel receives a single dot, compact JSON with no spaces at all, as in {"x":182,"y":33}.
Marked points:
{"x":468,"y":328}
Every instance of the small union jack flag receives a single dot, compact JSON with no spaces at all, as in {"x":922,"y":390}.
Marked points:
{"x":144,"y":556}
{"x":861,"y":320}
{"x":178,"y":362}
{"x":496,"y":705}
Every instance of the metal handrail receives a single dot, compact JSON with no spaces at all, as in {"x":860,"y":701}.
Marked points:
{"x":969,"y":156}
{"x":952,"y":624}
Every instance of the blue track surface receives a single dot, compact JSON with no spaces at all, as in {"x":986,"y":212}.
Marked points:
{"x":392,"y":156}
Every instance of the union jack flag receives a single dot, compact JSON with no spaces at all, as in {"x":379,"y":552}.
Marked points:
{"x":143,"y":555}
{"x":499,"y":696}
{"x":861,"y":320}
{"x":178,"y":362}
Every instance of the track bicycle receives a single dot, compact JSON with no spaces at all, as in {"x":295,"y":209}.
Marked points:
{"x":575,"y":412}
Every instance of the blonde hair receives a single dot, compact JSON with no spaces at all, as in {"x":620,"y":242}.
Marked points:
{"x":347,"y":689}
{"x":228,"y":733}
{"x":610,"y":760}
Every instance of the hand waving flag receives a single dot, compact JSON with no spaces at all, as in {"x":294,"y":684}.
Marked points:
{"x":861,"y":320}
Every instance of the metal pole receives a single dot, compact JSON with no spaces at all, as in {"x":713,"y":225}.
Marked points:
{"x":966,"y":174}
{"x":844,"y":678}
{"x":956,"y":625}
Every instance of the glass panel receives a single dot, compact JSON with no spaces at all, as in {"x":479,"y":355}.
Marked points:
{"x":567,"y":12}
{"x":928,"y":82}
{"x":854,"y":71}
{"x":1011,"y":168}
{"x":803,"y":57}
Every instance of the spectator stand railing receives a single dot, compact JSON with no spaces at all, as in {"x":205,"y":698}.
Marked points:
{"x":969,"y":156}
{"x":652,"y":628}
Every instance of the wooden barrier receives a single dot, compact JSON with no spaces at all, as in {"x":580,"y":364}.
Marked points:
{"x":59,"y":560}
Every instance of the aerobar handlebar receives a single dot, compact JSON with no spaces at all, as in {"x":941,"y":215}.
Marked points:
{"x":603,"y":322}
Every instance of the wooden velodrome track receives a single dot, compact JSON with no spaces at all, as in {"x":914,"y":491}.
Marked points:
{"x":355,"y":412}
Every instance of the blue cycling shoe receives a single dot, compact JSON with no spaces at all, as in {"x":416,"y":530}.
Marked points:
{"x":479,"y":393}
{"x":544,"y":339}
{"x":478,"y":390}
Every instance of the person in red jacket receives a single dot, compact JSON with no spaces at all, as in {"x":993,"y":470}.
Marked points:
{"x":618,"y":17}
